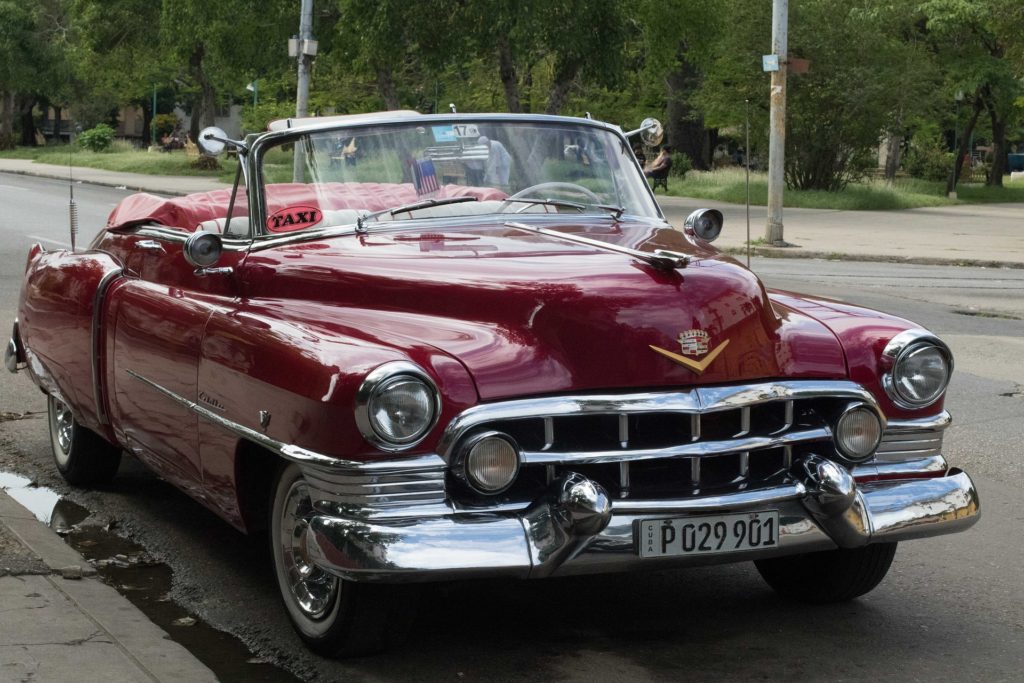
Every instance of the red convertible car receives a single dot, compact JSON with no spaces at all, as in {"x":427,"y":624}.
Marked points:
{"x":416,"y":348}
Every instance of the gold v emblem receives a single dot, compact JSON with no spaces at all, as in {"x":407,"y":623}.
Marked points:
{"x":697,"y":366}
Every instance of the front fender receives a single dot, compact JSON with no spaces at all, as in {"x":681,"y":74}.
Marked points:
{"x":304,"y":377}
{"x":863,"y":334}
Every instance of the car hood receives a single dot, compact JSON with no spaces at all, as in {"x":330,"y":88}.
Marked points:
{"x":530,"y":314}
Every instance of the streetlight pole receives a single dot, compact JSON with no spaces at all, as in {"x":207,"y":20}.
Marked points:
{"x":777,"y":134}
{"x":302,"y":95}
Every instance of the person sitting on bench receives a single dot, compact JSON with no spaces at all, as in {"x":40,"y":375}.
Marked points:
{"x":658,"y":169}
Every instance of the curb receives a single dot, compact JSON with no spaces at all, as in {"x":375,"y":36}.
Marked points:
{"x":797,"y":253}
{"x":143,"y":642}
{"x":101,"y":183}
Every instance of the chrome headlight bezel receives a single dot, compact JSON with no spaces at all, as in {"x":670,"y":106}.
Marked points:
{"x":462,"y":466}
{"x":901,"y":347}
{"x":378,"y":381}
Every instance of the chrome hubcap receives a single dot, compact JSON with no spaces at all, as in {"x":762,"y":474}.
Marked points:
{"x":313,"y":589}
{"x":63,"y":427}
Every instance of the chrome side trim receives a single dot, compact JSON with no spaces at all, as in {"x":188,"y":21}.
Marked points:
{"x":913,"y":439}
{"x":416,"y":464}
{"x":923,"y":424}
{"x":179,"y":236}
{"x":698,"y":449}
{"x":693,"y":401}
{"x":97,"y":352}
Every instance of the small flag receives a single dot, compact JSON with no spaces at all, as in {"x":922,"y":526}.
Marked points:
{"x":424,"y":177}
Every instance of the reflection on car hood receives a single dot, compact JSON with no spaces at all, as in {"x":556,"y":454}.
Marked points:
{"x":529,"y":314}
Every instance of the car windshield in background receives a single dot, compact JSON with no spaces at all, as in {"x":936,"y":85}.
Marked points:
{"x":431,"y":169}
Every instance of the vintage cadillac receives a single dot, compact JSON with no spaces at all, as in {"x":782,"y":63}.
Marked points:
{"x":426,"y":347}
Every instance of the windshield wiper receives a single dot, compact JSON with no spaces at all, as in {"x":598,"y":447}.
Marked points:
{"x":406,"y":208}
{"x":616,"y":210}
{"x":546,"y":202}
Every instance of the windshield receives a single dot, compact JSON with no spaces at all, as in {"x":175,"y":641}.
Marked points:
{"x":451,"y":168}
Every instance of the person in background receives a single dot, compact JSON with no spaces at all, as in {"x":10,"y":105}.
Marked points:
{"x":499,"y":163}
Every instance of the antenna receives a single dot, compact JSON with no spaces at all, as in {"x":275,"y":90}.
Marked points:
{"x":746,"y":162}
{"x":72,"y":206}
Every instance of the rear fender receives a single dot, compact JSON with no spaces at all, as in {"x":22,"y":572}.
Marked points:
{"x":61,"y":323}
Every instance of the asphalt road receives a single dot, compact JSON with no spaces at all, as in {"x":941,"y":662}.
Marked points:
{"x":951,"y":608}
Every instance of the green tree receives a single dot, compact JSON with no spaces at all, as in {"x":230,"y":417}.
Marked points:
{"x":32,"y":63}
{"x":978,"y":44}
{"x":865,"y":77}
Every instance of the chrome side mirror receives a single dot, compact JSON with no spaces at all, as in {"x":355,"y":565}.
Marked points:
{"x":651,"y":132}
{"x":203,"y":250}
{"x":212,"y":141}
{"x":705,"y":224}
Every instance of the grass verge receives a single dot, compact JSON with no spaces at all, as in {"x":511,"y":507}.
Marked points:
{"x":728,"y":185}
{"x":121,"y":159}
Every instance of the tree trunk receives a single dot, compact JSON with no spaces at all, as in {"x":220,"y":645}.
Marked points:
{"x":893,"y":146}
{"x":965,"y":141}
{"x":565,"y":73}
{"x":57,"y":110}
{"x":386,"y":87}
{"x":6,"y":120}
{"x":995,"y":175}
{"x":507,"y":74}
{"x":28,"y":123}
{"x":684,"y":126}
{"x":204,"y":110}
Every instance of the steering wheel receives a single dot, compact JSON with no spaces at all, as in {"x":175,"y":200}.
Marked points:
{"x":543,"y":187}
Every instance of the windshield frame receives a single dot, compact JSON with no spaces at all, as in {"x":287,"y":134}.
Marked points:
{"x":266,"y":141}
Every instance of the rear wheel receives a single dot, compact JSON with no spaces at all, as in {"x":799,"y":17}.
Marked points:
{"x":333,"y":616}
{"x":83,"y":457}
{"x":830,"y":576}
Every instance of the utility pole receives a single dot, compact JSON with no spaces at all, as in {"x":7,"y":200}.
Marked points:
{"x":777,"y":134}
{"x":306,"y":48}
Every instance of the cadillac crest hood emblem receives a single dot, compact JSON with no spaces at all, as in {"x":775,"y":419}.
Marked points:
{"x":693,"y":343}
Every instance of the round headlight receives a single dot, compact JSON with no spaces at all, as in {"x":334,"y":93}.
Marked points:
{"x":396,"y":406}
{"x":491,"y":463}
{"x":858,"y":433}
{"x":921,"y":367}
{"x":921,"y":374}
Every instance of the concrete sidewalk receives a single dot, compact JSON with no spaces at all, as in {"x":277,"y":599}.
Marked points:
{"x":76,"y":628}
{"x":965,"y":234}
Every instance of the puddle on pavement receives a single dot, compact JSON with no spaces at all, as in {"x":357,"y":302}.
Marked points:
{"x":144,"y":581}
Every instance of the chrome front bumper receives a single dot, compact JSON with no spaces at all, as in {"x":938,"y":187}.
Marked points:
{"x":576,"y":529}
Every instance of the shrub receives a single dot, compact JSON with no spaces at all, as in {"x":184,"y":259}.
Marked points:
{"x":681,"y":165}
{"x":205,"y":163}
{"x":928,"y":159}
{"x":97,"y":139}
{"x":164,"y":124}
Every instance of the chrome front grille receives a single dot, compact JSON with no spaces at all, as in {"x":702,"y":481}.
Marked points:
{"x":689,"y":442}
{"x":648,"y":446}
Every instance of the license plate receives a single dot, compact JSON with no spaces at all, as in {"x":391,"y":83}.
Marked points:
{"x":708,"y":534}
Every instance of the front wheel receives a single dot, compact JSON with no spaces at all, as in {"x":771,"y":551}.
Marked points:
{"x":830,"y":576}
{"x":333,"y":616}
{"x":83,"y":457}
